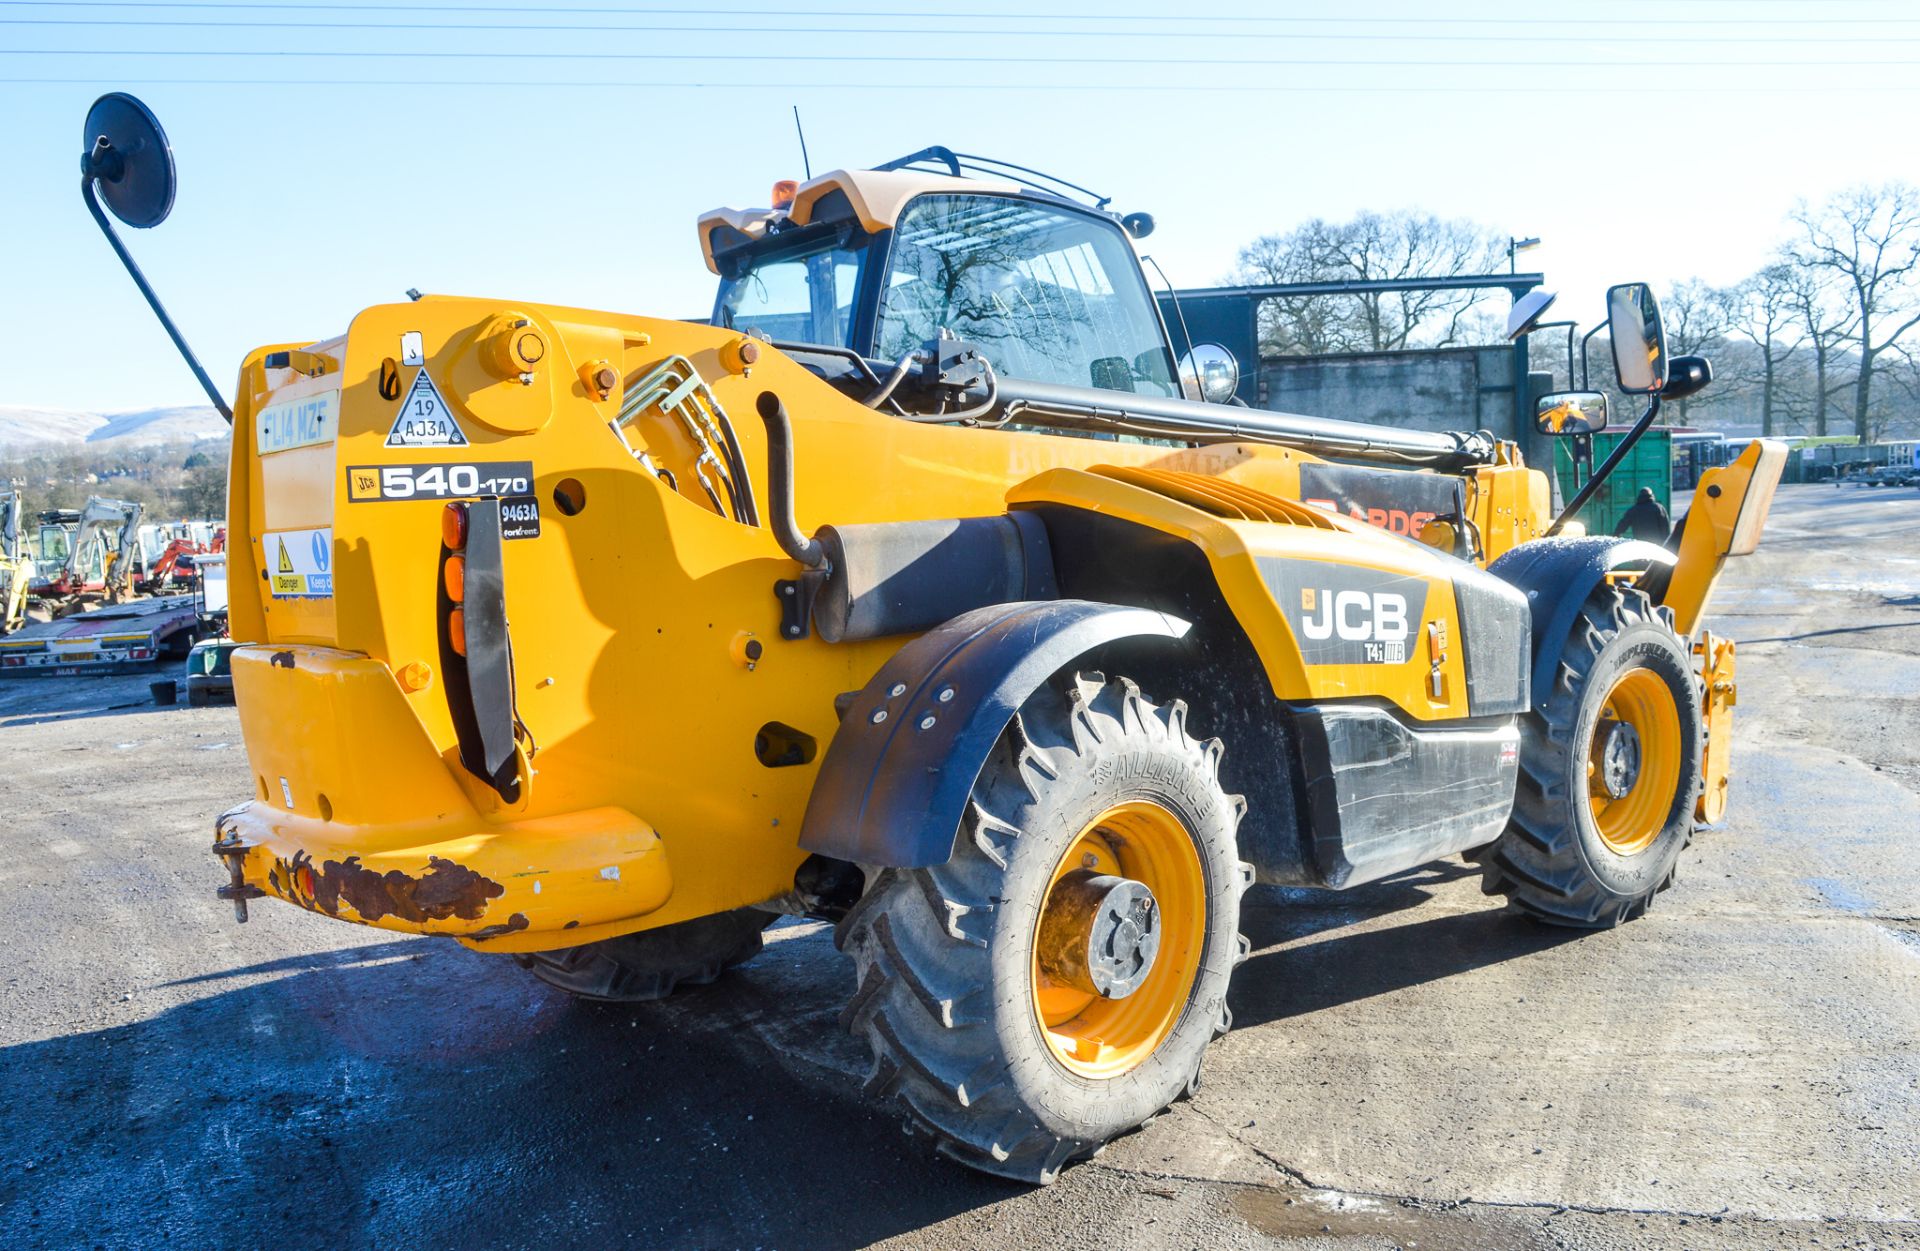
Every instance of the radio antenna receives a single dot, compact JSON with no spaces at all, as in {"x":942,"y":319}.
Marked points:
{"x":805,"y":164}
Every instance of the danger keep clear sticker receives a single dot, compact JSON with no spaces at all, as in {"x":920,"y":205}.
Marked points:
{"x":299,"y":563}
{"x":424,"y":420}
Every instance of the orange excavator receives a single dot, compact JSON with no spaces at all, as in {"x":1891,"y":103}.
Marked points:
{"x":175,"y":567}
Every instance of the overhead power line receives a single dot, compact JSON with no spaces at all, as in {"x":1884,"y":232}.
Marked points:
{"x":522,"y":10}
{"x":524,"y":28}
{"x":734,"y":85}
{"x":439,"y":54}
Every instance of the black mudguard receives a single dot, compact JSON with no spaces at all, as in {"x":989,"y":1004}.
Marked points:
{"x":895,"y":781}
{"x":1556,"y":576}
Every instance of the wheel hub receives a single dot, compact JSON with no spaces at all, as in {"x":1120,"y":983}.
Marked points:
{"x":1619,"y":750}
{"x":1099,"y":934}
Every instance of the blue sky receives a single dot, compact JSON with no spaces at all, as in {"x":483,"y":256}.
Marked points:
{"x":312,"y":186}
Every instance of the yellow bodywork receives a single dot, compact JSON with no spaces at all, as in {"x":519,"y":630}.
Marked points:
{"x":14,"y":578}
{"x":634,"y":611}
{"x":1718,"y":696}
{"x":1730,"y":506}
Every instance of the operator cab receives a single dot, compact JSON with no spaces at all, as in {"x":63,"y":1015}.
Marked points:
{"x":879,"y":264}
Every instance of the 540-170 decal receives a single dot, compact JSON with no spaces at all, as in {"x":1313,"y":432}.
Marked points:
{"x":443,"y":481}
{"x":511,"y":480}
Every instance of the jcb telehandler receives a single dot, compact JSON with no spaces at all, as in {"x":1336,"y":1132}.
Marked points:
{"x":540,"y":657}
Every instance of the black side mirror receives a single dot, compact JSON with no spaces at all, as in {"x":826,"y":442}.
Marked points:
{"x":1686,"y":375}
{"x":125,"y":161}
{"x":127,"y":154}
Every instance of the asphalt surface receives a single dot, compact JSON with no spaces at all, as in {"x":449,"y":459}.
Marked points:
{"x":1410,"y":1067}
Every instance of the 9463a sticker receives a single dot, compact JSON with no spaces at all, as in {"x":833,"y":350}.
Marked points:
{"x":386,"y":484}
{"x":520,"y":517}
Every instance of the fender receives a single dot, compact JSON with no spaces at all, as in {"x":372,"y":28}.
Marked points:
{"x":1562,"y":572}
{"x":896,"y":778}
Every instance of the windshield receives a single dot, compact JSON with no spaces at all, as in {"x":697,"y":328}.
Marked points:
{"x":1048,"y":294}
{"x":799,"y":296}
{"x":54,"y":544}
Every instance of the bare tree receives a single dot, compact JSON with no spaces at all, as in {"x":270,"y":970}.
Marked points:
{"x":1694,"y":316}
{"x":1760,"y":310}
{"x":1370,"y":247}
{"x":1294,"y":326}
{"x":1868,"y":239}
{"x":1827,"y":326}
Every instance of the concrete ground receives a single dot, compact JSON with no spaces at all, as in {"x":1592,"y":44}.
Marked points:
{"x":1410,"y":1067}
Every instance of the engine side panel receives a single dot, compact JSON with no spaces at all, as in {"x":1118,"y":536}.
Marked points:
{"x":1335,"y":609}
{"x":1339,"y":792}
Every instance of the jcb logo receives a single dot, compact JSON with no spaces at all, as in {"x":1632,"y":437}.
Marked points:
{"x":1346,"y":615}
{"x":1356,"y":616}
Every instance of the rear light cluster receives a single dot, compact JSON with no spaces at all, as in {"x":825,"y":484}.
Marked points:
{"x":453,"y":533}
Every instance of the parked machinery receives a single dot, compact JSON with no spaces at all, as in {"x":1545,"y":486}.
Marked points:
{"x":88,"y":555}
{"x":536,"y":653}
{"x":16,"y":569}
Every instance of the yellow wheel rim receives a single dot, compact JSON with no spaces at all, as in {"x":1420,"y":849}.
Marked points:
{"x":1630,"y":808}
{"x":1103,"y":1038}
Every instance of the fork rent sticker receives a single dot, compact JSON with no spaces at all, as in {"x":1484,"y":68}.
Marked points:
{"x":299,"y":563}
{"x":424,"y":420}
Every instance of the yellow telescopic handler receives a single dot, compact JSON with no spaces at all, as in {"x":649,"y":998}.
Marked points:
{"x":927,"y":592}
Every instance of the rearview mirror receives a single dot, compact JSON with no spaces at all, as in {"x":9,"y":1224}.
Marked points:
{"x":1571,"y":412}
{"x":1639,"y":343}
{"x":1209,"y":373}
{"x":127,"y":153}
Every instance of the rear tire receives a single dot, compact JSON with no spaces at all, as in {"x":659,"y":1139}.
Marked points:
{"x":637,"y":968}
{"x":1573,"y":852}
{"x":965,"y":1029}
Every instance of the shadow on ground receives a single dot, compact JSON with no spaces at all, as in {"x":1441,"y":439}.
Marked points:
{"x":411,"y":1093}
{"x":1289,"y":976}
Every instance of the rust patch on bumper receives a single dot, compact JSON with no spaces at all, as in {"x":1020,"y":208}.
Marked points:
{"x":445,"y":890}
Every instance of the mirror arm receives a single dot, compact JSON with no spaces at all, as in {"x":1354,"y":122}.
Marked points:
{"x":140,"y":280}
{"x":1614,"y":457}
{"x":1584,"y":340}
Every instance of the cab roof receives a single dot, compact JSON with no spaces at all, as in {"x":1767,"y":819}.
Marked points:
{"x":873,"y":197}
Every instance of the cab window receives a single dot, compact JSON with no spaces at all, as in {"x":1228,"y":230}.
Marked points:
{"x":799,"y":296}
{"x":1049,"y":295}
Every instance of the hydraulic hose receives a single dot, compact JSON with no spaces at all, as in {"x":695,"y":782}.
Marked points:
{"x":780,"y":518}
{"x":886,"y":389}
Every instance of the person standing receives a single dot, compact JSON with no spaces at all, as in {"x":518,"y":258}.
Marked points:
{"x":1645,"y":520}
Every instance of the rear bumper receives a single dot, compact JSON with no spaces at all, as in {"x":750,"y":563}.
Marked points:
{"x":534,"y":882}
{"x":358,"y":815}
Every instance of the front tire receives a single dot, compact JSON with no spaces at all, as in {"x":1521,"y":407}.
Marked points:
{"x":976,"y":1033}
{"x":1610,"y":768}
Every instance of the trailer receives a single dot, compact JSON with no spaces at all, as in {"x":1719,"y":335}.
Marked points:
{"x":115,"y":639}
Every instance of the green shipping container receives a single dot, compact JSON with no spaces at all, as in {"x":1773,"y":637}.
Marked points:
{"x":1649,"y":464}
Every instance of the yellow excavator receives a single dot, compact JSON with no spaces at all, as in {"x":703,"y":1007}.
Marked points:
{"x":16,"y":568}
{"x":929,"y":592}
